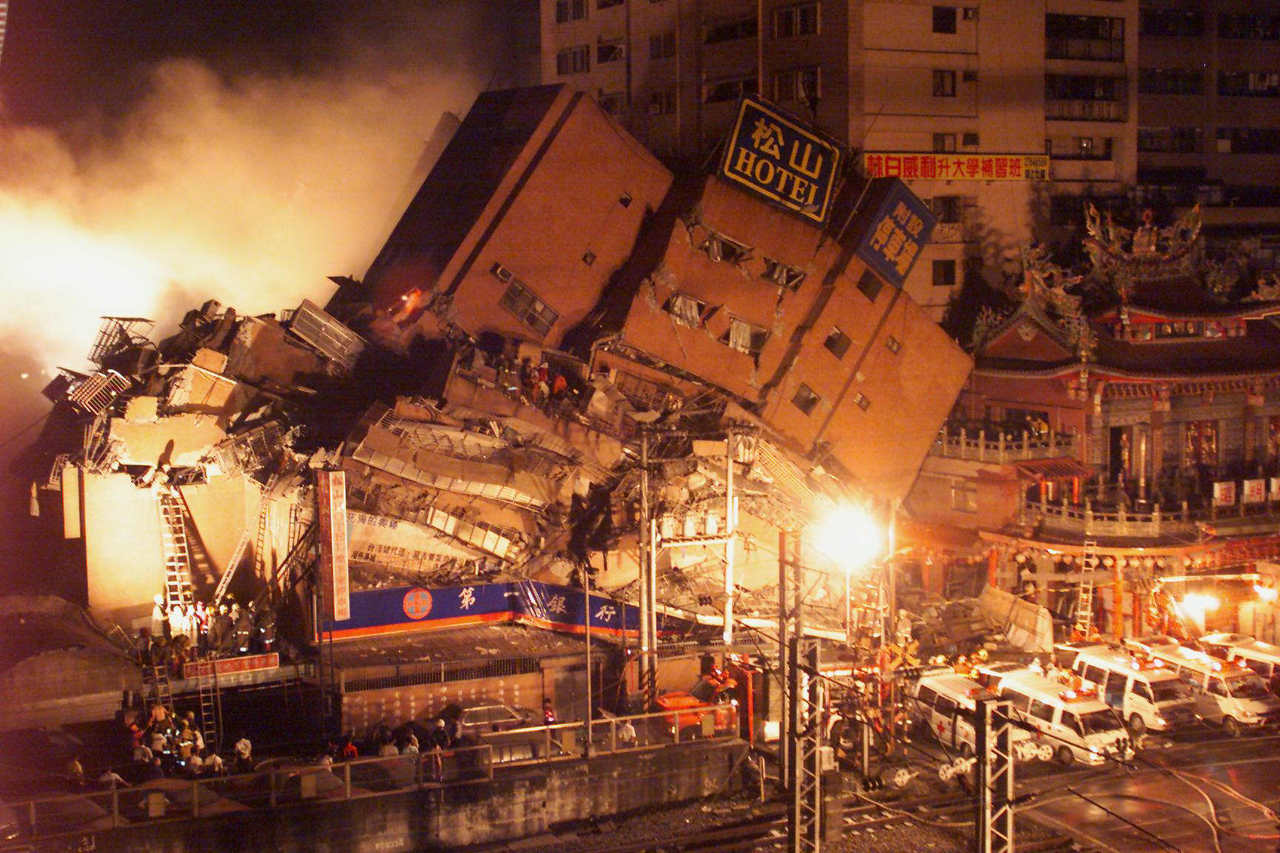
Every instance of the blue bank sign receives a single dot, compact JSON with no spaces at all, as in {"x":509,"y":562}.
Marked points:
{"x":775,"y":157}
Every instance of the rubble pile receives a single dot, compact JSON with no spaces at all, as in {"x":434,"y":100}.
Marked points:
{"x":476,"y":465}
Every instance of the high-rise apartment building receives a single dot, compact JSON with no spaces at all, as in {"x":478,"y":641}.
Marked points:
{"x":990,"y":109}
{"x":1209,"y":118}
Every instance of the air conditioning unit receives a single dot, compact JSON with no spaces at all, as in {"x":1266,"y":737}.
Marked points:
{"x":970,"y":13}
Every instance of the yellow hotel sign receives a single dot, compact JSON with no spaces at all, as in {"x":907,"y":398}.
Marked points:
{"x":956,"y":167}
{"x":775,"y":157}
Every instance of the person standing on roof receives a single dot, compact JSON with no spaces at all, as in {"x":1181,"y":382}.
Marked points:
{"x":159,"y":618}
{"x":548,"y":712}
{"x":243,"y":633}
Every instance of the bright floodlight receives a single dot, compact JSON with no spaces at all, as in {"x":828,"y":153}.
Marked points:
{"x":848,"y":535}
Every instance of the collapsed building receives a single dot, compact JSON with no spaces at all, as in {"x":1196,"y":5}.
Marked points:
{"x":566,"y":360}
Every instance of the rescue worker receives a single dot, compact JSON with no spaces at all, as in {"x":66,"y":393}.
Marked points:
{"x":266,"y":630}
{"x":548,"y":712}
{"x":159,"y":618}
{"x":243,"y":632}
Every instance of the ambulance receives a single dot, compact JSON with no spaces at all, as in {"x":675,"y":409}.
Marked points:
{"x":1226,"y":694}
{"x":1261,"y":657}
{"x":1146,"y":693}
{"x":1075,"y":723}
{"x":947,"y":703}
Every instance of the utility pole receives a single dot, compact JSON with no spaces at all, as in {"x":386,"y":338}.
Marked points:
{"x":993,"y":742}
{"x":805,"y":712}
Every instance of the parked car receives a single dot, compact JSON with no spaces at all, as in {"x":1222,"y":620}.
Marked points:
{"x":478,"y":717}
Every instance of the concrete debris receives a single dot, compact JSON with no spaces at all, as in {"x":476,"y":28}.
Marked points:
{"x":487,"y":434}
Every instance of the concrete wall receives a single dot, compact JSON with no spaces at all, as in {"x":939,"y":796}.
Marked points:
{"x":512,"y":807}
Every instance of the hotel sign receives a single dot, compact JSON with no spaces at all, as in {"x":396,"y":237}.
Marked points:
{"x":957,"y":167}
{"x":775,"y":157}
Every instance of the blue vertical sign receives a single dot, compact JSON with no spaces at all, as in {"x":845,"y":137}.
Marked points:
{"x":775,"y":157}
{"x":897,"y":228}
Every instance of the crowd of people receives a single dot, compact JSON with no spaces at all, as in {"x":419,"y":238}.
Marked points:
{"x":181,"y":633}
{"x":167,"y":745}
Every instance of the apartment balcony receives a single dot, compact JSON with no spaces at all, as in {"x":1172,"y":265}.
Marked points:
{"x":1085,"y":110}
{"x":993,"y":444}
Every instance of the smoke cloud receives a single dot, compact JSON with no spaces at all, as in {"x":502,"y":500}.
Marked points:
{"x":249,"y":187}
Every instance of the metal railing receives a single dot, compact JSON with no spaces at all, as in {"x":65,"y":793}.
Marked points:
{"x":992,"y":444}
{"x":1148,"y":521}
{"x":279,"y":782}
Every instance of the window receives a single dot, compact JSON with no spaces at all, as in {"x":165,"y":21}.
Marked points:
{"x":662,"y":45}
{"x":609,"y":50}
{"x":1257,"y":27}
{"x":944,"y":83}
{"x":861,"y":400}
{"x":1248,"y":140}
{"x":522,"y":302}
{"x":1170,"y":81}
{"x":574,"y":60}
{"x":969,"y":140}
{"x":662,"y":103}
{"x":869,"y":285}
{"x":944,"y":19}
{"x":837,"y":342}
{"x":893,"y":345}
{"x":1095,"y":674}
{"x":732,"y":30}
{"x":1042,"y":710}
{"x":1084,"y":37}
{"x":605,"y":4}
{"x":944,"y":142}
{"x":729,"y":90}
{"x":1084,"y":97}
{"x":1171,"y":22}
{"x":926,"y":695}
{"x":944,"y":273}
{"x":800,"y":19}
{"x":687,"y":310}
{"x":946,"y":706}
{"x":802,"y":84}
{"x":745,"y":337}
{"x":805,"y":399}
{"x":782,"y":274}
{"x":1249,"y":84}
{"x":1142,"y":691}
{"x":946,"y":207}
{"x":1079,"y":147}
{"x":721,"y":248}
{"x":1179,"y":140}
{"x":570,"y":10}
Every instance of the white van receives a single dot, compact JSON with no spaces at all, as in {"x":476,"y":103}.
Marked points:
{"x":1146,"y":693}
{"x":1226,"y":693}
{"x":947,"y":704}
{"x":1075,"y":723}
{"x":1261,"y":657}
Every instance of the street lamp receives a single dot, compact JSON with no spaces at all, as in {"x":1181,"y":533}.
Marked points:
{"x":849,"y":536}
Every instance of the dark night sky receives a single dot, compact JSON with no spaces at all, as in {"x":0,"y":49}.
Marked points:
{"x":157,"y":153}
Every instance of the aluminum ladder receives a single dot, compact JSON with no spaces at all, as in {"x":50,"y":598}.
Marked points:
{"x":1084,"y":600}
{"x":177,"y":555}
{"x":161,"y":689}
{"x":210,"y":702}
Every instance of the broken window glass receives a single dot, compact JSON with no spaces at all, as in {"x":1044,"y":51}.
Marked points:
{"x":721,"y":248}
{"x":783,"y":274}
{"x":745,"y":337}
{"x":687,"y":310}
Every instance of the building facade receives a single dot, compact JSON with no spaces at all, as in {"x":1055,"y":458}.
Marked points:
{"x":1133,"y":423}
{"x":986,"y":109}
